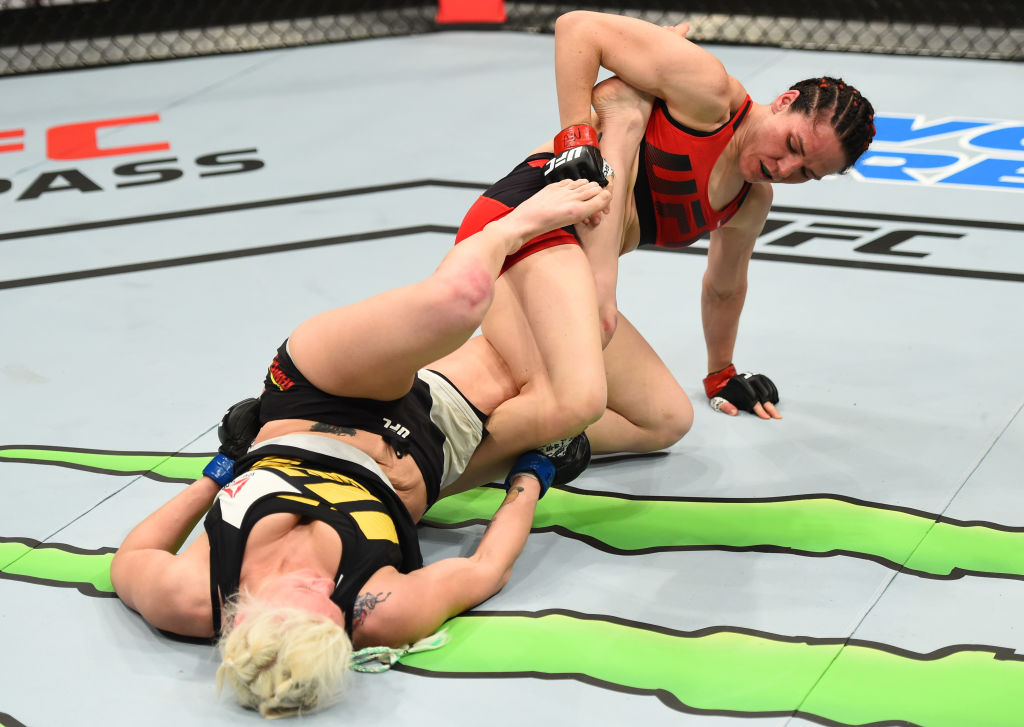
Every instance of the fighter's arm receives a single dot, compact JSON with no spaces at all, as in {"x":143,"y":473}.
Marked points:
{"x":170,"y":591}
{"x":724,"y":287}
{"x":409,"y":607}
{"x":654,"y":59}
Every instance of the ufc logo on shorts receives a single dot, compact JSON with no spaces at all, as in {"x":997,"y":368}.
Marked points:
{"x":396,"y":428}
{"x":566,"y":156}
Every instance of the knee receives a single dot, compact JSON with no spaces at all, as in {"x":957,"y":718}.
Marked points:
{"x":609,"y":319}
{"x":568,"y":413}
{"x":672,"y":424}
{"x":464,"y":294}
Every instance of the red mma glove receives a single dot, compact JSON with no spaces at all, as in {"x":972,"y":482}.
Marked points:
{"x":577,"y":156}
{"x":741,"y":390}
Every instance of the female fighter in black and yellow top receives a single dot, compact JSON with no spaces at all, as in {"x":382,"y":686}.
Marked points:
{"x":314,"y":537}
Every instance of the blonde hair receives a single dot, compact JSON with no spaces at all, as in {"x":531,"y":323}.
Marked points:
{"x":281,"y":661}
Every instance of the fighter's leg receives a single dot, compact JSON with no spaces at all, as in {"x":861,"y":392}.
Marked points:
{"x":544,"y":324}
{"x":621,"y":115}
{"x":373,"y":348}
{"x":647,"y":408}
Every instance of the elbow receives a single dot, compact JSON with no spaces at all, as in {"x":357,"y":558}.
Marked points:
{"x":497,"y":576}
{"x":566,"y":22}
{"x":489,"y":578}
{"x":116,"y":569}
{"x":502,"y":579}
{"x":498,"y":582}
{"x":572,"y":27}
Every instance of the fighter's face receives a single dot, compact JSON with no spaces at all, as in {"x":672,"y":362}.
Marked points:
{"x":790,"y":147}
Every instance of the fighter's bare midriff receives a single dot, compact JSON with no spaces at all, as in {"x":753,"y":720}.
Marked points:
{"x":403,"y":472}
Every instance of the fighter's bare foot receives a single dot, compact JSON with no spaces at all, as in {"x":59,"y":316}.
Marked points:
{"x":556,"y":205}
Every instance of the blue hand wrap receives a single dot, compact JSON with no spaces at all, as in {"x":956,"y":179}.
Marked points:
{"x":536,"y":464}
{"x":221,"y":469}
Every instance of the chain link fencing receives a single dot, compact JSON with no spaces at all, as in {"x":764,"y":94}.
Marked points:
{"x":49,"y":35}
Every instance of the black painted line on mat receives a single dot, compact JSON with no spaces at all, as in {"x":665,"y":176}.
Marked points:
{"x":7,"y":720}
{"x":861,"y":264}
{"x":981,"y":224}
{"x":226,"y":255}
{"x":238,"y":207}
{"x":86,"y":589}
{"x":356,"y":191}
{"x":398,"y":186}
{"x":63,"y":547}
{"x":147,"y":473}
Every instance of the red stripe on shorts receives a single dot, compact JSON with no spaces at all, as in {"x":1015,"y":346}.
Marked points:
{"x":486,"y":210}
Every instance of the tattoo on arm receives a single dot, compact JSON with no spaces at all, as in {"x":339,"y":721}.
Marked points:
{"x":333,"y":429}
{"x":513,"y":494}
{"x":366,"y":603}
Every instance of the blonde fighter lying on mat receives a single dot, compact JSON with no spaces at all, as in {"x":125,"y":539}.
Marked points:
{"x":312,"y":548}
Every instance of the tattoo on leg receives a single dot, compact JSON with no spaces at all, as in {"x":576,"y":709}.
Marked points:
{"x":333,"y":429}
{"x":366,"y":603}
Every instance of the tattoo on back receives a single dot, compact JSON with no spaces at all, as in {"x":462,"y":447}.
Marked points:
{"x":333,"y":429}
{"x":366,"y":603}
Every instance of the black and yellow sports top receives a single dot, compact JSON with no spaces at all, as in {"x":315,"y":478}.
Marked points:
{"x":317,"y":478}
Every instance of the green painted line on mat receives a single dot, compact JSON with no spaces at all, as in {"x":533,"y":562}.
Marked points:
{"x":811,"y":525}
{"x":739,"y":672}
{"x":712,"y":671}
{"x":57,"y":565}
{"x":163,"y":466}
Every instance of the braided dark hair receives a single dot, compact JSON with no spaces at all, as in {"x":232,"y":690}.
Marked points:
{"x":853,"y":117}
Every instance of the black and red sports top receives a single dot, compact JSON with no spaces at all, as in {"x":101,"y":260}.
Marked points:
{"x":671,"y":190}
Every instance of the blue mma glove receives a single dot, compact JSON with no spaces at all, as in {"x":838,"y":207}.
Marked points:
{"x":220,"y":469}
{"x":536,"y":464}
{"x":556,"y":463}
{"x":238,"y":427}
